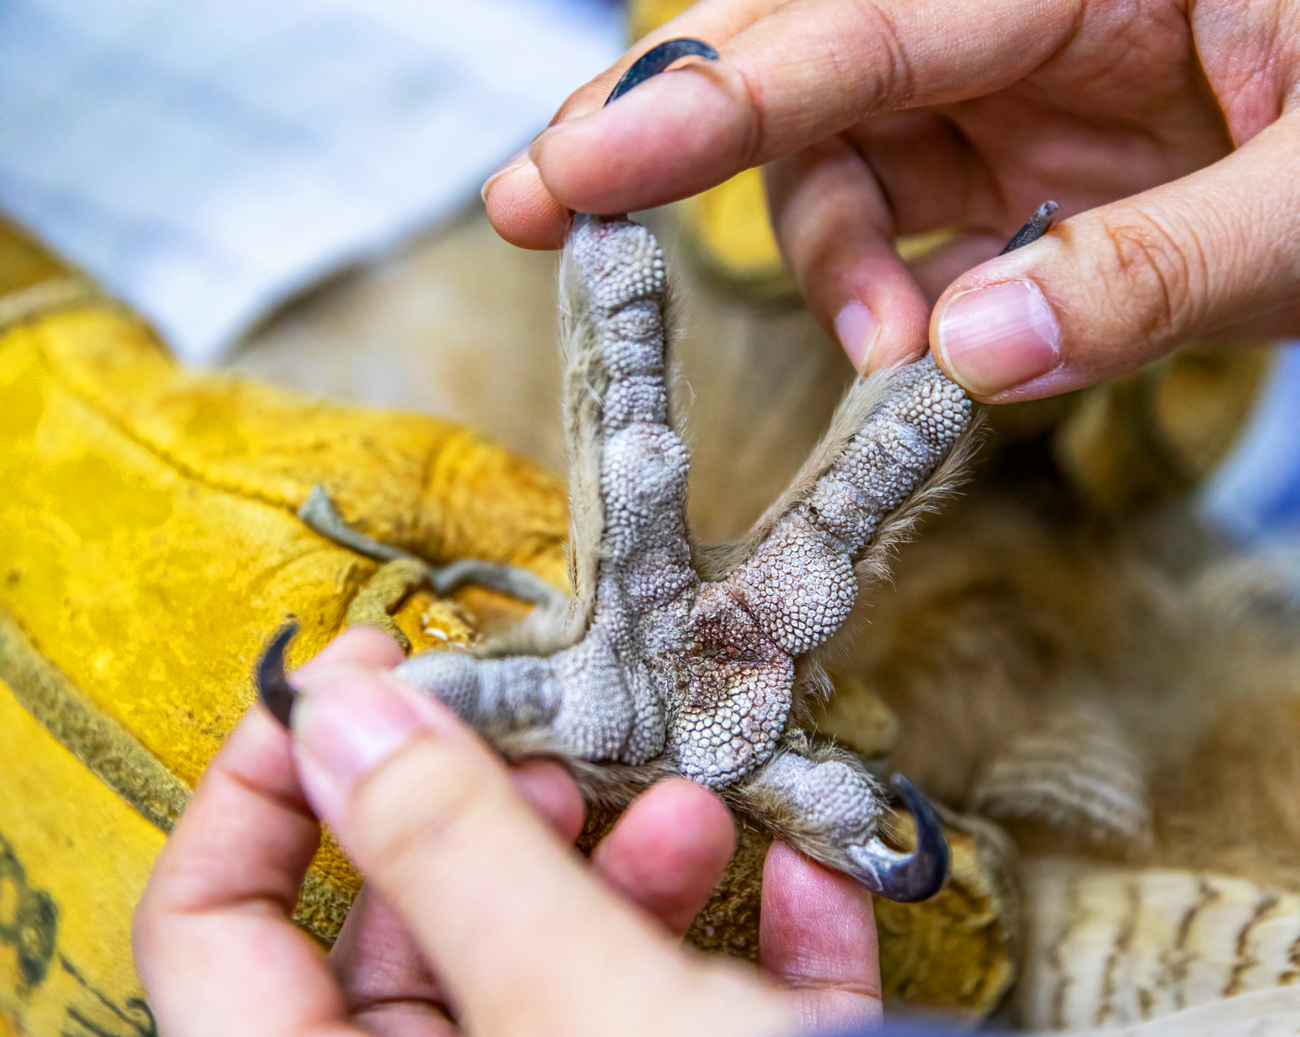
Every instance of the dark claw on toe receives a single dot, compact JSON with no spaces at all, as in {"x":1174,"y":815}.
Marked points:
{"x":273,"y":686}
{"x":1039,"y":224}
{"x":922,"y":873}
{"x":656,"y":59}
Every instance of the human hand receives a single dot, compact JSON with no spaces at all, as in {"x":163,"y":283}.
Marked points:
{"x":892,"y":117}
{"x":474,"y":908}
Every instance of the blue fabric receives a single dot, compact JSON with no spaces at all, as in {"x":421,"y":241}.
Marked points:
{"x":903,"y":1029}
{"x":1255,"y":496}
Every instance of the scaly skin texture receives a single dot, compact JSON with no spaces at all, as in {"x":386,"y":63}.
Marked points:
{"x":674,"y":673}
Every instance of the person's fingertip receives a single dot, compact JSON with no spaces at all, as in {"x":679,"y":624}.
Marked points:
{"x":836,"y":233}
{"x":504,"y":170}
{"x":261,"y":725}
{"x":684,"y":820}
{"x":788,"y":871}
{"x":522,"y":209}
{"x":817,"y":932}
{"x":858,"y":331}
{"x":550,"y":790}
{"x":682,"y":806}
{"x":361,"y":645}
{"x":673,"y":136}
{"x":668,"y":851}
{"x":997,"y":337}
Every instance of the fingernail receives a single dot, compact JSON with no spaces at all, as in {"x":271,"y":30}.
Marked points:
{"x":344,"y":724}
{"x":857,"y":329}
{"x":993,"y":339}
{"x":509,"y":167}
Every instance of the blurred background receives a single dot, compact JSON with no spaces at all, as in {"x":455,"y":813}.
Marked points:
{"x":208,"y":160}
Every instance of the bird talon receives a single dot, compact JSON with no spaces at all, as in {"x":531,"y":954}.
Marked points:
{"x":273,"y":687}
{"x":920,"y":874}
{"x":657,"y":59}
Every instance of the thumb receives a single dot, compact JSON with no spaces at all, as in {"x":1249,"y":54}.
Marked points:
{"x":523,"y":938}
{"x":1118,"y":286}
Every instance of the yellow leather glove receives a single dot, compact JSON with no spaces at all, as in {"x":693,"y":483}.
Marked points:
{"x":149,"y":543}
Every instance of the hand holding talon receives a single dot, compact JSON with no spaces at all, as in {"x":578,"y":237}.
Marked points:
{"x":470,"y":881}
{"x":669,"y":665}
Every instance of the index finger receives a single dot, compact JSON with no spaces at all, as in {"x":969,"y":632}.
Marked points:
{"x":817,"y":935}
{"x":212,"y":935}
{"x":802,"y":73}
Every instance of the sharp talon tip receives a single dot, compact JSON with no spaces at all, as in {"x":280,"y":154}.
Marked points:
{"x":657,"y":59}
{"x":1039,"y":224}
{"x":922,"y":873}
{"x":273,"y":686}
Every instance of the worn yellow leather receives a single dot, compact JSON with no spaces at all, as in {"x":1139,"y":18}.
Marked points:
{"x":74,"y":858}
{"x":148,"y":546}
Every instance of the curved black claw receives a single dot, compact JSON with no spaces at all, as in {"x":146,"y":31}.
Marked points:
{"x":908,"y":877}
{"x":1039,"y":224}
{"x":922,"y":874}
{"x":277,"y":694}
{"x":656,"y":59}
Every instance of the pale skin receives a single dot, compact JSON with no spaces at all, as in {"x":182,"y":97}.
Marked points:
{"x":477,"y":914}
{"x":1166,"y":130}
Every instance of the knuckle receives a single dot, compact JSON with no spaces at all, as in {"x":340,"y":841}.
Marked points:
{"x":1164,"y":262}
{"x":894,"y":77}
{"x":757,"y":132}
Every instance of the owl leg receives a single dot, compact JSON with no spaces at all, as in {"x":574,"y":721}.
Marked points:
{"x":629,"y":465}
{"x":582,"y":704}
{"x":824,"y":803}
{"x":889,"y":436}
{"x":594,"y":701}
{"x":892,"y":432}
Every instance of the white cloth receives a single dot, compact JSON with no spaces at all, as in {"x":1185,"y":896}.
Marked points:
{"x":206,"y":159}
